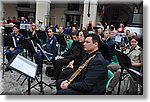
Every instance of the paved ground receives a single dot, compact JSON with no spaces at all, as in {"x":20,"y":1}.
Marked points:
{"x":11,"y":86}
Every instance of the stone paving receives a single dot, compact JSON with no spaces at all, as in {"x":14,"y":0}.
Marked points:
{"x":13,"y":87}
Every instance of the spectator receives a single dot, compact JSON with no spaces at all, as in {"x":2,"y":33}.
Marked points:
{"x":23,"y":20}
{"x":121,"y":28}
{"x":90,"y":26}
{"x":14,"y":20}
{"x":30,"y":21}
{"x":9,"y":20}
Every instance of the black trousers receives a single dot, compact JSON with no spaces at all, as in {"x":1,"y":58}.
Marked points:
{"x":58,"y":66}
{"x":66,"y":73}
{"x":66,"y":91}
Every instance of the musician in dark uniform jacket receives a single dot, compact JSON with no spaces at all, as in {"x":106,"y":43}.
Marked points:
{"x":93,"y":78}
{"x":77,"y":54}
{"x":50,"y":48}
{"x":11,"y":51}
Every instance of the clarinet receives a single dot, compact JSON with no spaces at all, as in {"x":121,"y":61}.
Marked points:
{"x":77,"y":72}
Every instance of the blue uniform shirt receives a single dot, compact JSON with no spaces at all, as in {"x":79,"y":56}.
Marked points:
{"x":52,"y":46}
{"x":17,"y":39}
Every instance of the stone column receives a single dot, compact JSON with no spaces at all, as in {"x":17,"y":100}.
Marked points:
{"x":1,"y":12}
{"x":93,"y":11}
{"x":42,"y":11}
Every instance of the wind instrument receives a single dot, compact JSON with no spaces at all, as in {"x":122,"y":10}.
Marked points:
{"x":77,"y":72}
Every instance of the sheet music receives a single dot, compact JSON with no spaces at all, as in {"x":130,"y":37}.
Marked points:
{"x":14,"y":41}
{"x":33,"y":46}
{"x":24,"y":65}
{"x":43,"y":52}
{"x":25,"y":26}
{"x":118,"y":38}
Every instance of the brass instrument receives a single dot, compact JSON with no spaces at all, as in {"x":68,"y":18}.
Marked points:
{"x":77,"y":72}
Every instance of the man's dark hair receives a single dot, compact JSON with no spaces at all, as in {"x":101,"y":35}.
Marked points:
{"x":95,"y":37}
{"x":75,"y":33}
{"x":128,"y":30}
{"x":16,"y":26}
{"x":62,"y":27}
{"x":51,"y":29}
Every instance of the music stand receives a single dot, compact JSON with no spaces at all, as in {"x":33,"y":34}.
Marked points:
{"x":24,"y":32}
{"x":28,"y":45}
{"x":125,"y":63}
{"x":103,"y":47}
{"x":17,"y":23}
{"x":6,"y":42}
{"x":41,"y":35}
{"x":41,"y":79}
{"x":61,"y":40}
{"x":23,"y":66}
{"x":136,"y":75}
{"x":8,"y":30}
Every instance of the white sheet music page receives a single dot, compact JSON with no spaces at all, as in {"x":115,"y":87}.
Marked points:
{"x":24,"y":65}
{"x":118,"y":38}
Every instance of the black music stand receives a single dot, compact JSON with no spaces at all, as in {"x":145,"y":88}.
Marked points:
{"x":6,"y":42}
{"x":8,"y":30}
{"x":103,"y":48}
{"x":24,"y":66}
{"x":41,"y":35}
{"x":136,"y":75}
{"x":24,"y":32}
{"x":41,"y":82}
{"x":125,"y":63}
{"x":28,"y":45}
{"x":61,"y":40}
{"x":17,"y":23}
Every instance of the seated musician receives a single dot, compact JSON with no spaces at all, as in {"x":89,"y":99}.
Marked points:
{"x":93,"y":78}
{"x":110,"y":42}
{"x":11,"y":51}
{"x":76,"y":53}
{"x":33,"y":34}
{"x":50,"y":48}
{"x":61,"y":32}
{"x":135,"y":54}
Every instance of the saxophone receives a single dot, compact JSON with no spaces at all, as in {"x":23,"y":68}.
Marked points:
{"x":77,"y":72}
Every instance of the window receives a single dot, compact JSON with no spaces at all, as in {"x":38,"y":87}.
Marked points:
{"x":24,"y":5}
{"x":73,"y":7}
{"x":115,"y":14}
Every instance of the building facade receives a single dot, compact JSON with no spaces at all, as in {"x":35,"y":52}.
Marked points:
{"x":68,"y":12}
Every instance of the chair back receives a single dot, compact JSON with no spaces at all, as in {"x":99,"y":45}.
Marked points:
{"x":110,"y":77}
